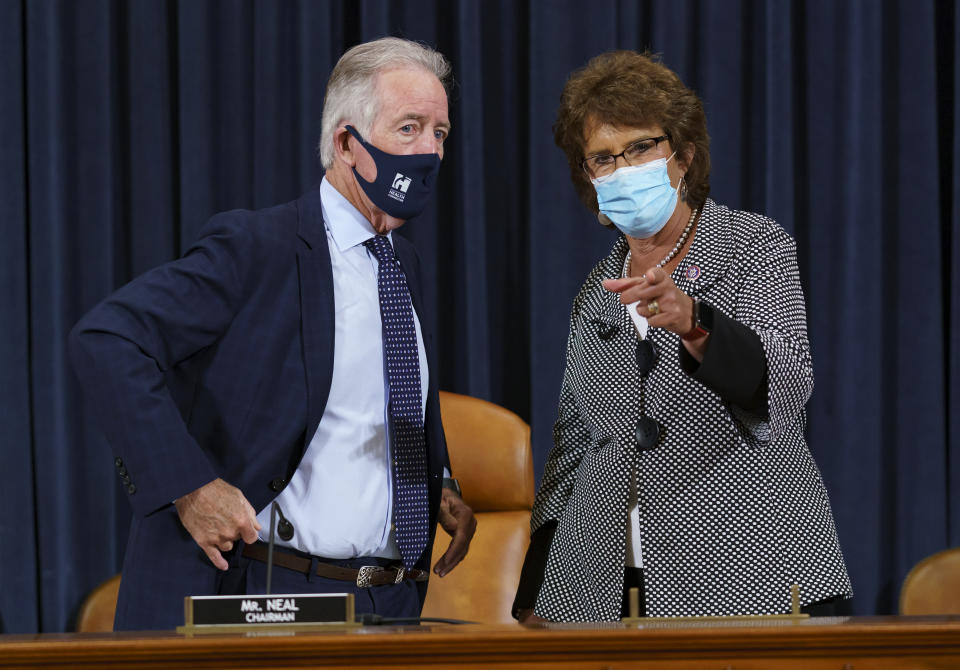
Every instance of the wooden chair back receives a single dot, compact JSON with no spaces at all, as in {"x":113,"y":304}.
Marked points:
{"x":490,"y":456}
{"x":933,"y":585}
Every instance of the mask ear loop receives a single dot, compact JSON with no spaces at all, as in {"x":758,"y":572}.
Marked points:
{"x":363,"y":144}
{"x":682,"y":186}
{"x":683,"y":181}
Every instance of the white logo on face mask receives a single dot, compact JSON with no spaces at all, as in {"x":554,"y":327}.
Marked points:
{"x":400,"y":186}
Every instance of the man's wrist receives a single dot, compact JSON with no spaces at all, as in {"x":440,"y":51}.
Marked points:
{"x":453,"y":485}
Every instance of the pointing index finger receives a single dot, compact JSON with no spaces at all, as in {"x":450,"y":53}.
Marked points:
{"x":620,"y":284}
{"x":654,"y":275}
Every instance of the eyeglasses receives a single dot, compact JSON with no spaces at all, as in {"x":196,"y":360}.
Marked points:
{"x":637,"y":153}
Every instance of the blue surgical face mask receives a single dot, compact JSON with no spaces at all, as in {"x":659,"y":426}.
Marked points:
{"x":638,"y":199}
{"x":404,"y":182}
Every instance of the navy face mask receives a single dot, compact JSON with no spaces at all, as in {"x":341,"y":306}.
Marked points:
{"x":404,"y":183}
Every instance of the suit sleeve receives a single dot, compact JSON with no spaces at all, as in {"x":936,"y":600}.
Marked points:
{"x":734,"y":365}
{"x":770,"y":304}
{"x":123,"y":347}
{"x":571,"y":439}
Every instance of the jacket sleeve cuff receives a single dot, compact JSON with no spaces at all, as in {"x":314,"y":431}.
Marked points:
{"x":534,"y":565}
{"x":734,"y":364}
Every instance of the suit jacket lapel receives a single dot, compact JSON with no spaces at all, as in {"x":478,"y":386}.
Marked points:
{"x":317,"y":309}
{"x":411,"y":268}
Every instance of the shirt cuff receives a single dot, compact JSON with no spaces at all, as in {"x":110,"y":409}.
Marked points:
{"x":734,"y":364}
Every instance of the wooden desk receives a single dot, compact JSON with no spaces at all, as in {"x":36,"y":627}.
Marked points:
{"x":885,"y":643}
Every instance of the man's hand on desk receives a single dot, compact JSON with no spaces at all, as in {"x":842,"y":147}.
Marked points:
{"x":457,"y":519}
{"x":215,"y":515}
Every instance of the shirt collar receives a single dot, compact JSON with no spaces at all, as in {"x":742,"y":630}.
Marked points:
{"x":346,"y":224}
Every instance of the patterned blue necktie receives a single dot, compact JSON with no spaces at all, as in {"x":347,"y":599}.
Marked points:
{"x":408,"y":444}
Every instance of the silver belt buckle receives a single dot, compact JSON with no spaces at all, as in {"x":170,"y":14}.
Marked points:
{"x":365,"y":575}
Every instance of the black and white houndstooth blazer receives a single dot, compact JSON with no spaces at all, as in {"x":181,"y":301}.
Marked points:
{"x":733,"y":509}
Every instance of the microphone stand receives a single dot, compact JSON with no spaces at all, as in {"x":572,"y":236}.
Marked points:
{"x":286,"y":532}
{"x":273,"y":519}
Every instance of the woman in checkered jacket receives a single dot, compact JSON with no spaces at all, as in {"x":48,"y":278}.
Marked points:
{"x":679,"y":463}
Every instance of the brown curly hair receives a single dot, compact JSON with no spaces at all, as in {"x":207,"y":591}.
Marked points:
{"x":629,"y":89}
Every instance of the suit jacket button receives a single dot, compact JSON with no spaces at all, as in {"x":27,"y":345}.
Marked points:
{"x":647,"y":433}
{"x":122,"y":470}
{"x":131,"y":489}
{"x":277,"y":484}
{"x":118,"y":461}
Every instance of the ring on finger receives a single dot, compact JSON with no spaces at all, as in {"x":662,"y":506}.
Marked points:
{"x":653,"y":307}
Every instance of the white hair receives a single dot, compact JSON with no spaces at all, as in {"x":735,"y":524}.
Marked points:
{"x":352,"y":93}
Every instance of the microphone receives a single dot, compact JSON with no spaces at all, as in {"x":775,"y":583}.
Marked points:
{"x":284,"y":530}
{"x":368,"y":619}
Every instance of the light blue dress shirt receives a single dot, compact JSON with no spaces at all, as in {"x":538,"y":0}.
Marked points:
{"x":339,"y":498}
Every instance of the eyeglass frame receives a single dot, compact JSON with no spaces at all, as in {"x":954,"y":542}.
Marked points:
{"x":622,"y":154}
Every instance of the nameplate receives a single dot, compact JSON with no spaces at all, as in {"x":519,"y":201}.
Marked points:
{"x":244,"y":613}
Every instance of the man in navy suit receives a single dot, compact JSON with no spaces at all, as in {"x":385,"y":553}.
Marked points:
{"x":253,"y":370}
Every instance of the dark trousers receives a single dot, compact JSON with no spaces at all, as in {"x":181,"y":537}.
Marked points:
{"x":249,"y":577}
{"x":633,"y":577}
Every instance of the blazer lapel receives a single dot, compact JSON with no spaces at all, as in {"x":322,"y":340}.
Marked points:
{"x":317,"y":309}
{"x":711,"y":253}
{"x":602,"y":309}
{"x":411,"y":268}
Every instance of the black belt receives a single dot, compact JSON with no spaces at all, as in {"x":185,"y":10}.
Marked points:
{"x":365,"y":576}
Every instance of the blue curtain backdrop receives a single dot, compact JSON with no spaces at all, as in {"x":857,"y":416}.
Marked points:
{"x":124,"y":125}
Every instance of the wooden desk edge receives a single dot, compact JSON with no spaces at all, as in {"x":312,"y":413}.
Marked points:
{"x":873,"y":637}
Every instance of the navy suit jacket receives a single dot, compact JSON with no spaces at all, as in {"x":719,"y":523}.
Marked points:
{"x":219,"y":365}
